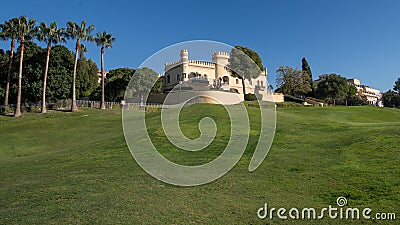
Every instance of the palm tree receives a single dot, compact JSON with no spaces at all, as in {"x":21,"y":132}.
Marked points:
{"x":50,"y":35}
{"x":80,"y":33}
{"x":9,"y":31}
{"x":82,"y":51}
{"x":25,"y":31}
{"x":105,"y":41}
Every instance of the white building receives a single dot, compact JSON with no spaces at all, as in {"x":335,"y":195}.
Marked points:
{"x":373,"y":95}
{"x":203,"y":75}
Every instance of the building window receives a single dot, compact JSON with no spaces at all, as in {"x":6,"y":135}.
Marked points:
{"x":262,"y":83}
{"x":168,"y":79}
{"x":251,"y":82}
{"x":237,"y":81}
{"x":225,"y":79}
{"x":178,"y":77}
{"x":184,"y":75}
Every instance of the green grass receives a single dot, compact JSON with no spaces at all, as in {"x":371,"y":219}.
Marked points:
{"x":64,"y":168}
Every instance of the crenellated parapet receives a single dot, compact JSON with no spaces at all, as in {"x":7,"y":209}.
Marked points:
{"x":221,"y":59}
{"x":201,"y":63}
{"x":220,"y":53}
{"x":169,"y":66}
{"x":218,"y":57}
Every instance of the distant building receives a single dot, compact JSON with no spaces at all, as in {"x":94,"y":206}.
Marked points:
{"x":99,"y":74}
{"x":373,"y":95}
{"x":320,"y":78}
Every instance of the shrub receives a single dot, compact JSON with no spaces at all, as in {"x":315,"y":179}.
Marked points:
{"x":152,"y":109}
{"x":250,"y":97}
{"x":253,"y":104}
{"x":35,"y":109}
{"x":116,"y":106}
{"x":288,"y":105}
{"x":315,"y":99}
{"x":7,"y":111}
{"x":289,"y":98}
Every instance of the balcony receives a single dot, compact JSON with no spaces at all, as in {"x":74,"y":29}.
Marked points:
{"x":199,"y":80}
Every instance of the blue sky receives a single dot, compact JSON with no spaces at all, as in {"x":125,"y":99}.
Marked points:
{"x":354,"y":38}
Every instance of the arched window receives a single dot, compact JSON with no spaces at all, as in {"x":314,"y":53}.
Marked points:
{"x":194,"y":74}
{"x":225,"y":79}
{"x":178,"y":77}
{"x":168,"y":79}
{"x":237,"y":81}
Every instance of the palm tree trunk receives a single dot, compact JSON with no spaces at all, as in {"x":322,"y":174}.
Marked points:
{"x":9,"y":74}
{"x":74,"y":108}
{"x":44,"y":110}
{"x":102,"y":105}
{"x":18,"y":108}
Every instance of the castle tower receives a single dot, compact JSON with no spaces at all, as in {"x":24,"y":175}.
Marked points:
{"x":185,"y":62}
{"x":221,"y":59}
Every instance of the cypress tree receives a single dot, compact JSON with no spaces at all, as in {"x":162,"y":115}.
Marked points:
{"x":306,"y":69}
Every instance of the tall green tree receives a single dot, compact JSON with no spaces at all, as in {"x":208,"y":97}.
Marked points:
{"x":58,"y":78}
{"x":80,"y":33}
{"x":115,"y":85}
{"x":351,"y":97}
{"x":352,"y":91}
{"x":86,"y":77}
{"x":307,"y":70}
{"x":391,"y":99}
{"x":333,"y":87}
{"x":157,"y":88}
{"x":25,"y":31}
{"x":252,"y":54}
{"x":104,"y":40}
{"x":245,"y":63}
{"x":34,"y":65}
{"x":82,"y":51}
{"x":9,"y":31}
{"x":397,"y":85}
{"x":142,"y":83}
{"x":50,"y":35}
{"x":3,"y":60}
{"x":292,"y":81}
{"x":4,"y":57}
{"x":60,"y":73}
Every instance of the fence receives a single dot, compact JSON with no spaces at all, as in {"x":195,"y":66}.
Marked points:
{"x":66,"y":104}
{"x":147,"y":107}
{"x":60,"y":104}
{"x":96,"y":104}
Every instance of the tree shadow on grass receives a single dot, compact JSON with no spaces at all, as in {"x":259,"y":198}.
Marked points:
{"x":61,"y":110}
{"x":7,"y":115}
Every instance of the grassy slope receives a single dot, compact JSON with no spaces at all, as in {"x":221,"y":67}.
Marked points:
{"x":76,"y":168}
